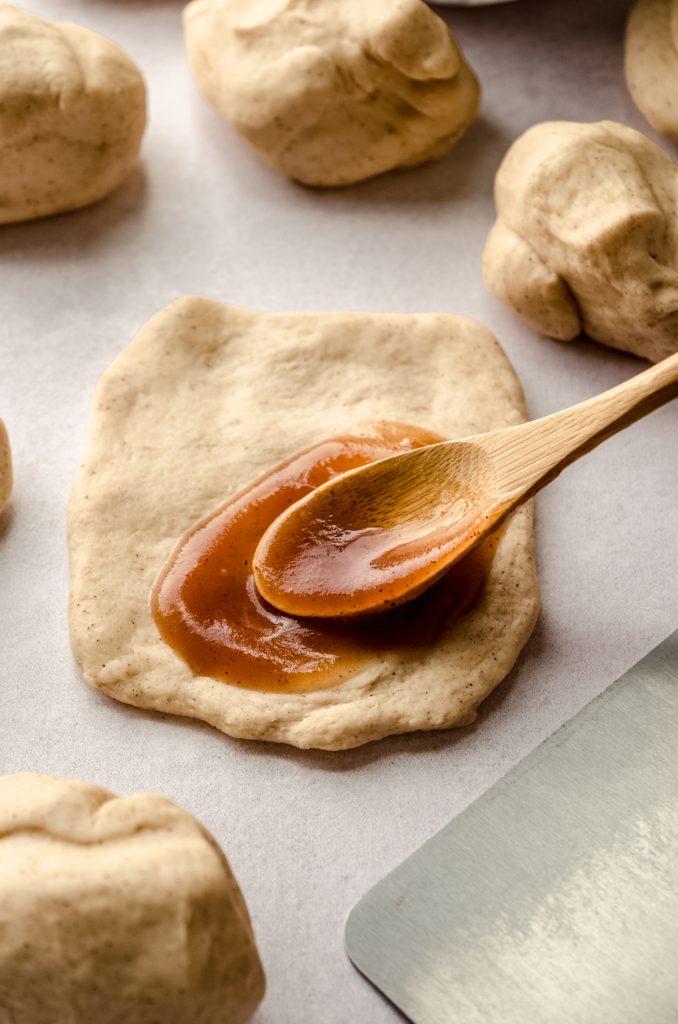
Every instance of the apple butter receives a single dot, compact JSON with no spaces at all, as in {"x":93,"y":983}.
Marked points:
{"x":207,"y":608}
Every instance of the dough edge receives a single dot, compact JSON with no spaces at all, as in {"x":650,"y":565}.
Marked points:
{"x":6,"y":476}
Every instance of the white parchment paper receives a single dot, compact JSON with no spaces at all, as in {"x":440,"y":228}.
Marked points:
{"x":308,"y":833}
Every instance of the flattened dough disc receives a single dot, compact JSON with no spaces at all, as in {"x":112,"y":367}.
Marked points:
{"x":204,"y":400}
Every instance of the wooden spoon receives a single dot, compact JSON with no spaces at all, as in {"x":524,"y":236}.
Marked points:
{"x":378,"y":536}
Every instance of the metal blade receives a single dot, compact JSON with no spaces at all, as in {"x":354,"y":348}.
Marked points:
{"x":554,"y":898}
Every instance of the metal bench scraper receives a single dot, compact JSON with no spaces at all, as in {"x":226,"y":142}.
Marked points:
{"x":553,"y":899}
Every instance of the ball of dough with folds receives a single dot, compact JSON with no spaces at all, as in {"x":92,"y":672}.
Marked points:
{"x":117,"y":909}
{"x":652,"y":62}
{"x":333,"y":91}
{"x":72,"y":114}
{"x":586,"y":237}
{"x":5,"y":468}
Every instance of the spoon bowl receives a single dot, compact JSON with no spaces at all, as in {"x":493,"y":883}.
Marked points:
{"x":375,"y":529}
{"x":377,"y":536}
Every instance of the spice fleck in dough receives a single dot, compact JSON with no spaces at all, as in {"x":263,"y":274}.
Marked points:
{"x":333,"y":91}
{"x":72,"y":114}
{"x":206,"y":399}
{"x":652,"y":62}
{"x":586,"y":237}
{"x":117,"y":909}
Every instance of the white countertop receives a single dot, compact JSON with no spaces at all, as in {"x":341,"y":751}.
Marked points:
{"x":308,"y":833}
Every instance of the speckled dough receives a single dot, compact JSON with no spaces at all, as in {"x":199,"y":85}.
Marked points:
{"x":5,"y":468}
{"x":72,"y":114}
{"x":204,"y":400}
{"x":117,"y":911}
{"x":333,"y":91}
{"x":586,"y":237}
{"x":652,"y":62}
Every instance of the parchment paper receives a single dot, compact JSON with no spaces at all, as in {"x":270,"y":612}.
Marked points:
{"x":308,"y":833}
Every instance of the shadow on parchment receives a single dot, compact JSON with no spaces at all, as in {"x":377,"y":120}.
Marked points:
{"x":64,"y":234}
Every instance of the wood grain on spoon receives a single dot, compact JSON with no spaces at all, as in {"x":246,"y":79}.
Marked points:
{"x":378,"y":536}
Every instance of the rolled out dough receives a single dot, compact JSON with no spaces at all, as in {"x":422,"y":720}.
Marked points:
{"x":203,"y":401}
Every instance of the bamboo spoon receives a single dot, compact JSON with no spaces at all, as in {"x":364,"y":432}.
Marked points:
{"x":378,"y":536}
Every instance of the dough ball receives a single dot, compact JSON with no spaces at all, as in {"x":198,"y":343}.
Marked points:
{"x":652,"y":62}
{"x":586,"y":237}
{"x":72,"y":114}
{"x":205,"y":400}
{"x":333,"y":91}
{"x":5,"y":468}
{"x":117,"y":911}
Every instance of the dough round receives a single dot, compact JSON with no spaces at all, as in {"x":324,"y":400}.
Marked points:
{"x":117,"y":909}
{"x":586,"y":237}
{"x":72,"y":114}
{"x":203,"y":401}
{"x":333,"y":91}
{"x":5,"y":468}
{"x":652,"y":62}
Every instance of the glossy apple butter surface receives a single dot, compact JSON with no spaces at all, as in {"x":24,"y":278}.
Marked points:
{"x":206,"y":606}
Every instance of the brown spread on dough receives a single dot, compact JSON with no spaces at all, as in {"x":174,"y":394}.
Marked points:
{"x":206,"y":606}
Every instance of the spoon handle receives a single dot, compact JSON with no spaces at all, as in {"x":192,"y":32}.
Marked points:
{"x":529,"y":456}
